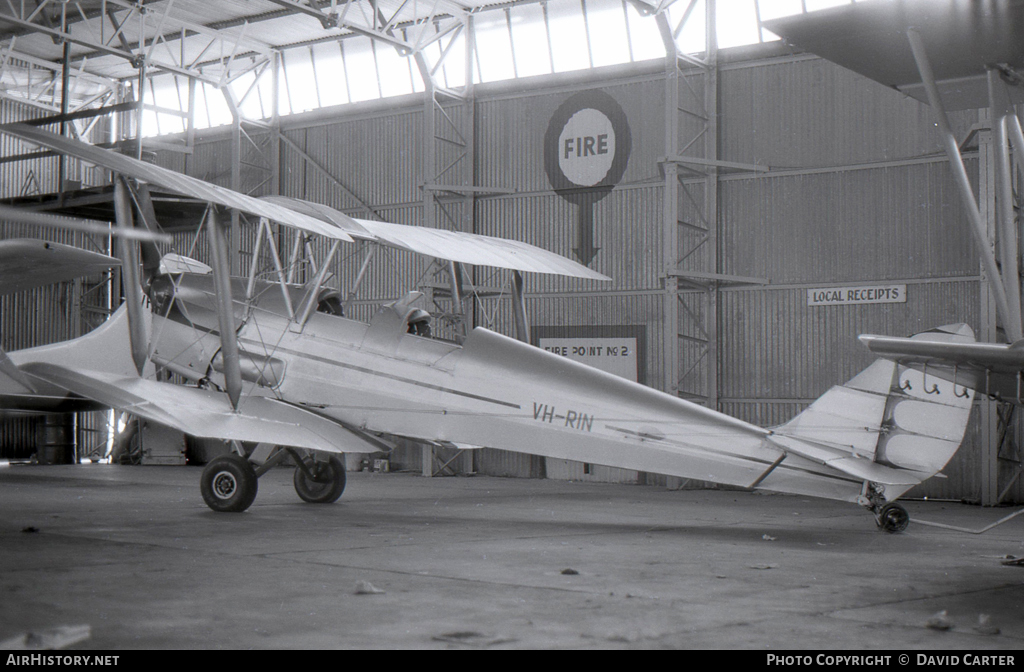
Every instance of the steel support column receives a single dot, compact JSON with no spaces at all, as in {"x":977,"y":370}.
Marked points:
{"x":670,"y":213}
{"x":711,"y":200}
{"x":1007,"y":236}
{"x":989,"y":420}
{"x":999,"y":208}
{"x":702,"y":255}
{"x":459,"y":171}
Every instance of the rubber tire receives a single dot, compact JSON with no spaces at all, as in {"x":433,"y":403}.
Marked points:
{"x":329,"y":485}
{"x":893,"y":518}
{"x":229,"y":484}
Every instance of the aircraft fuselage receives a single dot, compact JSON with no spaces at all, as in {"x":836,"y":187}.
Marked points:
{"x":491,"y":391}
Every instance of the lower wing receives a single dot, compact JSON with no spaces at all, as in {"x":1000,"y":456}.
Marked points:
{"x":204,"y":413}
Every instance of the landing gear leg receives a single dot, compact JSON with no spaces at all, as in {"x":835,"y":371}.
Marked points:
{"x":889,"y":516}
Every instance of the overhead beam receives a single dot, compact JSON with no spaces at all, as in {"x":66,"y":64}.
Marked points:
{"x":333,"y":20}
{"x":81,"y":72}
{"x":134,"y":59}
{"x":183,"y":29}
{"x":81,"y":114}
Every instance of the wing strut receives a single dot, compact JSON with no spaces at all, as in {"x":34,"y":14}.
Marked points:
{"x":225,"y":315}
{"x":264,"y":228}
{"x":455,"y":278}
{"x":129,"y":254}
{"x":519,"y":307}
{"x":314,"y":291}
{"x":371,"y":248}
{"x":1011,"y":318}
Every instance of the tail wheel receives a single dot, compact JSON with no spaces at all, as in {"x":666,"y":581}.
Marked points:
{"x":323,"y":484}
{"x":229,"y":484}
{"x":893,"y":518}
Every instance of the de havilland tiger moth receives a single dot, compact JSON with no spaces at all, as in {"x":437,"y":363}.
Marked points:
{"x":268,"y":361}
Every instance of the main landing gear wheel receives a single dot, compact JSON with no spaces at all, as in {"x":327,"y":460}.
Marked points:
{"x":229,"y":483}
{"x":892,"y":518}
{"x":320,"y":482}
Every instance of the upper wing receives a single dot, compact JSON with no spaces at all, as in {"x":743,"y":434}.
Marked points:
{"x":467,"y":248}
{"x":313,"y":218}
{"x":26,"y":263}
{"x":963,"y":39}
{"x":168,"y":179}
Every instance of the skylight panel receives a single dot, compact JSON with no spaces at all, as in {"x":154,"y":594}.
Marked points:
{"x":569,"y":48}
{"x":530,"y":40}
{"x":494,"y":47}
{"x":609,"y":40}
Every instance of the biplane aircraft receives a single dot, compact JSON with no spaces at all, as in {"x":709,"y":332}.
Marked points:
{"x":269,"y":361}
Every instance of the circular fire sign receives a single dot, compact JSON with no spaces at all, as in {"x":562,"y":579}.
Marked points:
{"x":586,"y":149}
{"x":587,"y":145}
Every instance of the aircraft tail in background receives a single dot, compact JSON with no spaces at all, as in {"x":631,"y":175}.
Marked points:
{"x":890,"y":425}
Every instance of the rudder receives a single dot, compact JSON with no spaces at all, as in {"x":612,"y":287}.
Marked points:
{"x":889,"y":425}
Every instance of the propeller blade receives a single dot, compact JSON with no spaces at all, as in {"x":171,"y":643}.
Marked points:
{"x":9,"y":214}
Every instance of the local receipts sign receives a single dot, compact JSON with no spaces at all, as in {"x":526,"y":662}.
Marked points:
{"x":844,"y":296}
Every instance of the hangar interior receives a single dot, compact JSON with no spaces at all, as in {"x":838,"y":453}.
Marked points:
{"x":751,"y":180}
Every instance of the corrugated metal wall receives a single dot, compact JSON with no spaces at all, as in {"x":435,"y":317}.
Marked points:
{"x":858,"y":193}
{"x":805,"y":113}
{"x":849,"y":226}
{"x":47,"y":314}
{"x":775,"y":346}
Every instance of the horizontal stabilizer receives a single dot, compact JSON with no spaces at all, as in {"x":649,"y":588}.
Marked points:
{"x":26,"y":263}
{"x":952,"y":344}
{"x":203,"y":413}
{"x":848,"y":463}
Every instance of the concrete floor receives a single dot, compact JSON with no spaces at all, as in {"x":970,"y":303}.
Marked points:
{"x":477,"y":562}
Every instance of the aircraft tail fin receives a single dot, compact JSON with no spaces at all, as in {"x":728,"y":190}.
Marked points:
{"x":890,"y":424}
